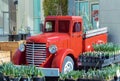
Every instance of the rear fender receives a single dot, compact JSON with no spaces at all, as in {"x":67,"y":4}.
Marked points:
{"x":19,"y":58}
{"x":59,"y":58}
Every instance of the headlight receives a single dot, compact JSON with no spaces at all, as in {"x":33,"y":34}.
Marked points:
{"x":53,"y":49}
{"x":22,"y":47}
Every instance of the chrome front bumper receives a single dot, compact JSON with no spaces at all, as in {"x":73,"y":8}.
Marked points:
{"x":50,"y":72}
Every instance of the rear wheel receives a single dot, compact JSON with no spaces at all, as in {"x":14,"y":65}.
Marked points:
{"x":68,"y":65}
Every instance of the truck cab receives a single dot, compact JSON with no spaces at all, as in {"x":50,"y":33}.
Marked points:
{"x":60,"y":44}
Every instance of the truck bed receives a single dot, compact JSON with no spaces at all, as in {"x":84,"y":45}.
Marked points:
{"x":94,"y":32}
{"x":94,"y":37}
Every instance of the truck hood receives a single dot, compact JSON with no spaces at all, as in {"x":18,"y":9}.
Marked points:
{"x":48,"y":37}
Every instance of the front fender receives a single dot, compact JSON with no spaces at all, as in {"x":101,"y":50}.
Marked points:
{"x":59,"y":58}
{"x":19,"y":58}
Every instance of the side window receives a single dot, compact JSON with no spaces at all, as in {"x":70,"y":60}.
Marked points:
{"x":77,"y":27}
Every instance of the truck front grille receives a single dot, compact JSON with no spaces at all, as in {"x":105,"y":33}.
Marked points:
{"x":35,"y":53}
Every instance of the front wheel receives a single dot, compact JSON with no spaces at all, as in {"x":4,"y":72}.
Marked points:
{"x":68,"y":65}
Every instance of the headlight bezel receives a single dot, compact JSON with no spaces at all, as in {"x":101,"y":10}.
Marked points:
{"x":53,"y":49}
{"x":22,"y":47}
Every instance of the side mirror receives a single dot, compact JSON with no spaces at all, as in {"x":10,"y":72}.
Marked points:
{"x":42,"y":27}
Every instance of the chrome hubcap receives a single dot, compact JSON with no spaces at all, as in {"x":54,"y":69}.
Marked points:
{"x":68,"y":67}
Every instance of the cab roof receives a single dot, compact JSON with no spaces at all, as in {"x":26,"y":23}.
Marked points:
{"x":64,"y":17}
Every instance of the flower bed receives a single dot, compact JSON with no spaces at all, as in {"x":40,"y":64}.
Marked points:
{"x":103,"y":55}
{"x":97,"y":60}
{"x":105,"y":74}
{"x":21,"y":73}
{"x":108,"y":47}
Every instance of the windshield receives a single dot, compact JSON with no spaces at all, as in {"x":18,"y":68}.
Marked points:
{"x":63,"y":26}
{"x":50,"y":26}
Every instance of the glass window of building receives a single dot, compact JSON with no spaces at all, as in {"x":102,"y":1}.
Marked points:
{"x":95,"y":14}
{"x":4,"y":17}
{"x":37,"y":17}
{"x":89,"y":10}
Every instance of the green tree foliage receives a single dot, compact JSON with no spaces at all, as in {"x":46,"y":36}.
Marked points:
{"x":55,"y":7}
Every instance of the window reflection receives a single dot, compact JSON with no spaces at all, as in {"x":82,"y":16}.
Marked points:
{"x":50,"y":26}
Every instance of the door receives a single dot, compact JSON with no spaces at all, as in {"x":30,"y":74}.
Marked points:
{"x":76,"y":38}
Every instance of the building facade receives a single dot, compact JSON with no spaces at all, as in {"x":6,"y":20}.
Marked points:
{"x":4,"y":17}
{"x":98,"y":13}
{"x":16,"y":16}
{"x":29,"y":15}
{"x":110,"y":17}
{"x":88,"y":9}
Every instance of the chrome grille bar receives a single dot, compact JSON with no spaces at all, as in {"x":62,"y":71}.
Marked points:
{"x":35,"y":53}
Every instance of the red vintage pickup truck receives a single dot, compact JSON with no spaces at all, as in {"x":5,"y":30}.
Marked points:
{"x":60,"y":44}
